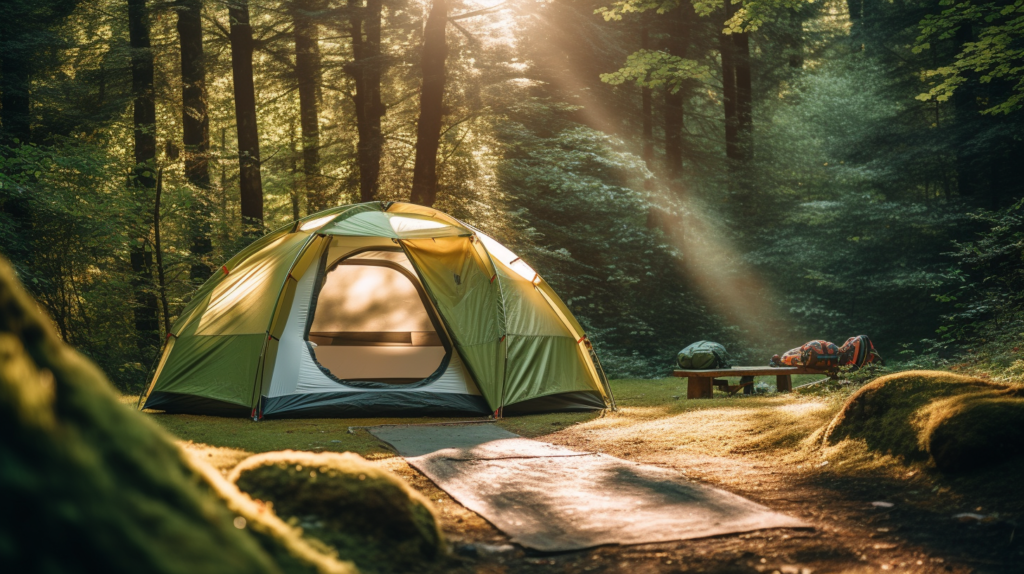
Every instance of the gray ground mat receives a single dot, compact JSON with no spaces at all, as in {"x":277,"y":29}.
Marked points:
{"x":551,"y":498}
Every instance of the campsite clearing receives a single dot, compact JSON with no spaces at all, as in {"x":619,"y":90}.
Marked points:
{"x":763,"y":447}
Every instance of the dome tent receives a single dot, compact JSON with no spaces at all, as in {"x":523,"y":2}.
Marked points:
{"x":376,"y":309}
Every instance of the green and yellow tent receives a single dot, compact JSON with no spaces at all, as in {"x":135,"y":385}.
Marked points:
{"x":376,"y":309}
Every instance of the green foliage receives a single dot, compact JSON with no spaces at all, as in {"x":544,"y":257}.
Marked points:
{"x":986,"y":286}
{"x":989,"y":49}
{"x":67,"y":220}
{"x":749,"y":16}
{"x":581,"y":219}
{"x":852,"y":248}
{"x":619,"y":9}
{"x":856,"y":192}
{"x":656,"y":69}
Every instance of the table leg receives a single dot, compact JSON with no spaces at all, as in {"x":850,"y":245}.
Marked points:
{"x":784,"y":383}
{"x":698,"y":388}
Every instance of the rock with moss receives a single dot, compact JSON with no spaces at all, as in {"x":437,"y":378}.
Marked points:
{"x":90,"y":485}
{"x":960,"y":423}
{"x":967,"y":433}
{"x":367,"y":514}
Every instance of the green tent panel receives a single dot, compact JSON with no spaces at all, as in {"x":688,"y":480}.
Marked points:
{"x":238,"y":304}
{"x":196,"y":368}
{"x":376,"y":309}
{"x":466,"y":297}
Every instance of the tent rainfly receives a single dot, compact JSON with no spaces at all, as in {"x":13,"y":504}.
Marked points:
{"x":376,"y":309}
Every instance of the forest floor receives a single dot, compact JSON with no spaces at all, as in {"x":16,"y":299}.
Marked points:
{"x":870,"y":512}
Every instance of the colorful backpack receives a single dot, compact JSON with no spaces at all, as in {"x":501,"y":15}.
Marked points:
{"x":858,"y":351}
{"x":813,"y":354}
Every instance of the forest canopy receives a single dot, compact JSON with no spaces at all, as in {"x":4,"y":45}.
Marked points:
{"x":759,"y":173}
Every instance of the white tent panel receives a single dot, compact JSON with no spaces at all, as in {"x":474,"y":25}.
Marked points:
{"x":295,"y":371}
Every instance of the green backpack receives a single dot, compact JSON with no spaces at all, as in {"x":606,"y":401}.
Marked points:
{"x":704,"y":355}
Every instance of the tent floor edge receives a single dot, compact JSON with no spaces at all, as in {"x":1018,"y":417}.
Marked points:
{"x":370,"y":404}
{"x":180,"y":403}
{"x":574,"y":401}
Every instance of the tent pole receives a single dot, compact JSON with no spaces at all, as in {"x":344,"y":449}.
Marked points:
{"x":604,"y":377}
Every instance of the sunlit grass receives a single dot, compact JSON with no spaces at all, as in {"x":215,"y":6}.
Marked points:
{"x":654,"y":417}
{"x":655,"y":423}
{"x":656,"y":420}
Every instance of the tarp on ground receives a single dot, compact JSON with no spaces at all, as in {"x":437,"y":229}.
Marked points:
{"x":555,"y":499}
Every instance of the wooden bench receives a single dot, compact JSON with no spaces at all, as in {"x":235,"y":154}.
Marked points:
{"x":700,"y":382}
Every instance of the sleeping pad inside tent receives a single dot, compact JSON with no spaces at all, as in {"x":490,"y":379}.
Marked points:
{"x":376,"y":309}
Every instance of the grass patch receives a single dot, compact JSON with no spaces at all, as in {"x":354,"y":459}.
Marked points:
{"x":719,"y":426}
{"x":656,"y":420}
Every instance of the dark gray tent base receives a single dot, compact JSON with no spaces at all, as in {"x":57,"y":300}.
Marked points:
{"x":193,"y":405}
{"x":561,"y":402}
{"x":374,"y":404}
{"x":416,"y":404}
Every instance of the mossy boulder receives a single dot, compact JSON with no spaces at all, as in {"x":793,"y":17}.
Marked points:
{"x":970,"y":432}
{"x":961,"y":423}
{"x":90,"y":485}
{"x":366,"y":513}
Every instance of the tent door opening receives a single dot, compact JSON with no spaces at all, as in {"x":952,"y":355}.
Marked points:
{"x":372,"y":321}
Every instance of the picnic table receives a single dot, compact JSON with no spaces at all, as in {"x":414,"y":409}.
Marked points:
{"x":700,"y":382}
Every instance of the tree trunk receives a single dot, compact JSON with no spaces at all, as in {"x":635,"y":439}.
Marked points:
{"x":866,"y":17}
{"x":249,"y":180}
{"x":225,"y":233}
{"x":727,"y":49}
{"x":646,"y":117}
{"x":679,"y":43}
{"x":16,"y":130}
{"x":793,"y":37}
{"x":428,"y":130}
{"x":673,"y":133}
{"x":195,"y":123}
{"x":307,"y":70}
{"x":293,"y":159}
{"x":366,"y":70}
{"x":158,"y":248}
{"x":744,"y":97}
{"x":16,"y":111}
{"x":147,"y":323}
{"x":965,"y":105}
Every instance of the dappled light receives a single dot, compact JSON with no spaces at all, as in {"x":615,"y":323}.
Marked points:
{"x":511,"y":286}
{"x":509,"y":259}
{"x":732,"y":288}
{"x":314,"y":224}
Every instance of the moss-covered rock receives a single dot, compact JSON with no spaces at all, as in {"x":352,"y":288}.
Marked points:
{"x":960,"y":422}
{"x":90,"y":485}
{"x":367,"y":514}
{"x":971,"y":432}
